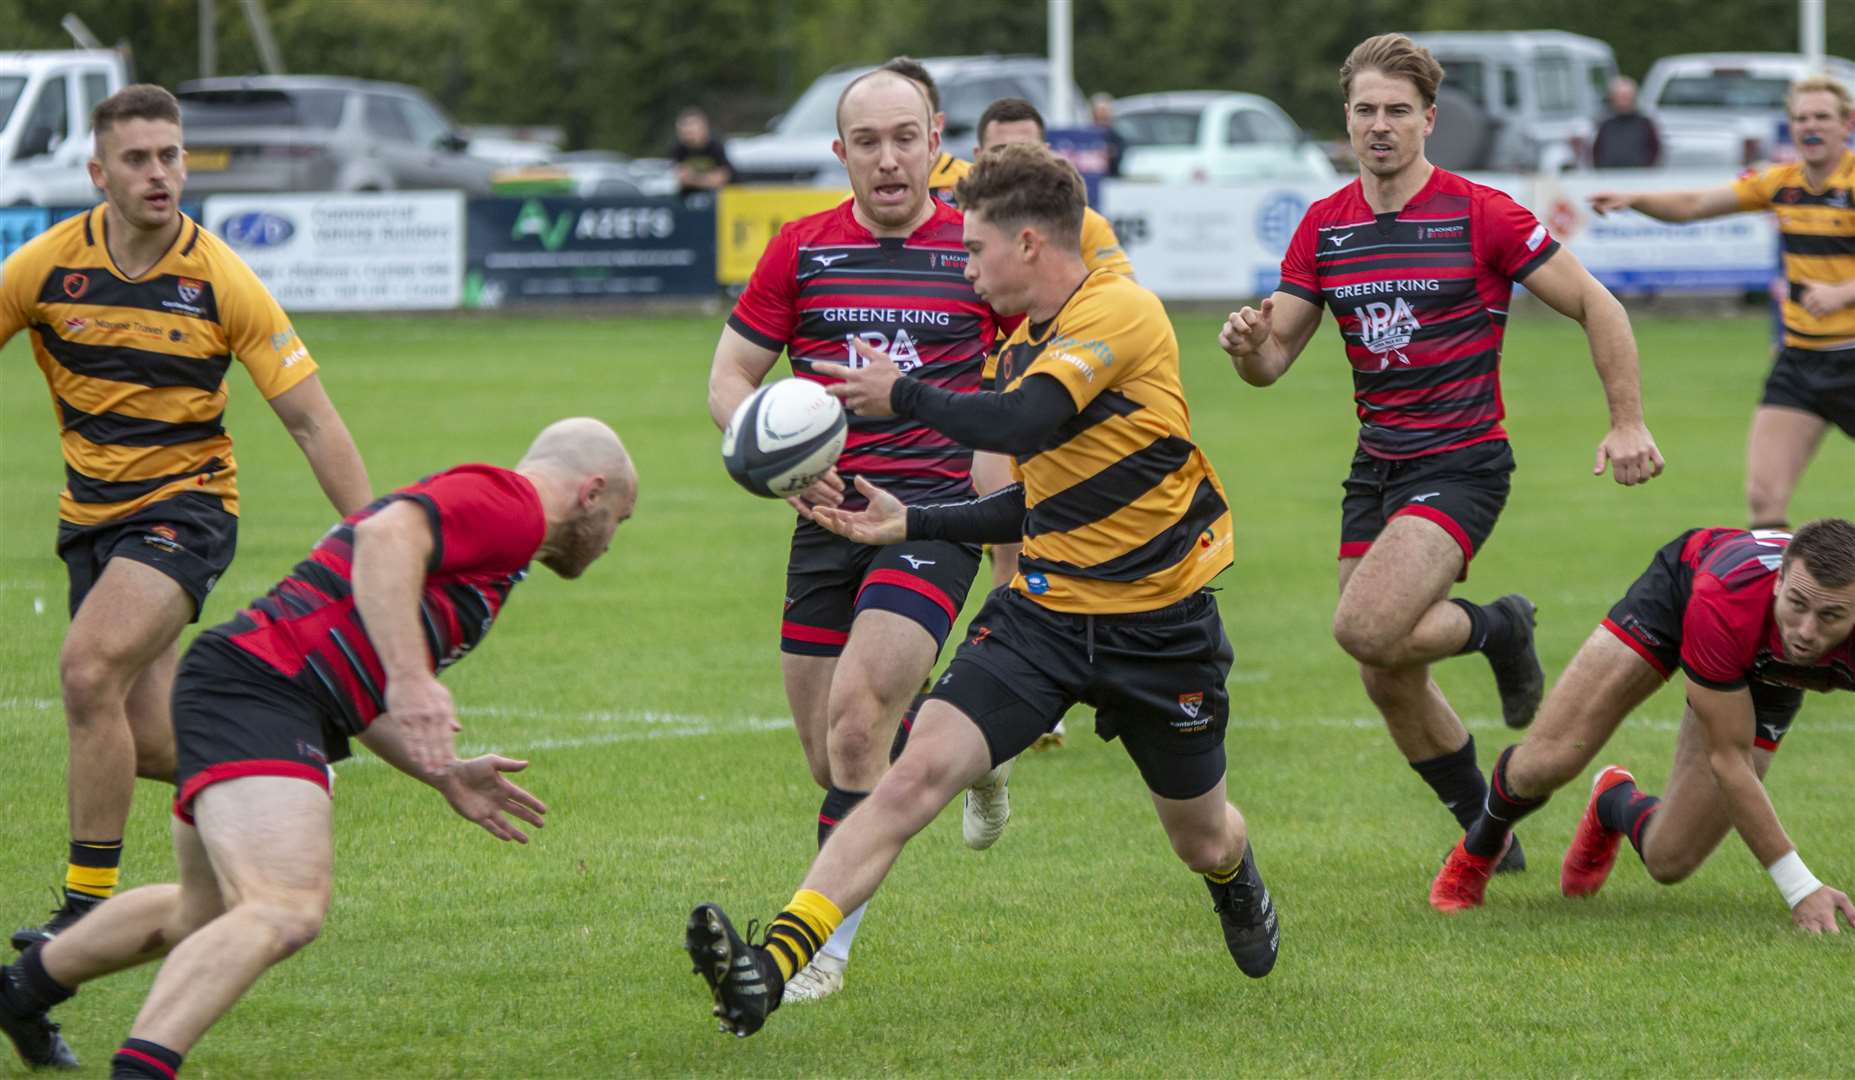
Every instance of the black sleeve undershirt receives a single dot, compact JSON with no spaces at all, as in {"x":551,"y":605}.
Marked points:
{"x":1015,"y":422}
{"x":997,"y":518}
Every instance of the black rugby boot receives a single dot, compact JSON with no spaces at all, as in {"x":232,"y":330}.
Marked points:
{"x":741,"y":977}
{"x":75,"y":907}
{"x":32,"y":1034}
{"x":1252,"y":928}
{"x":1517,"y":674}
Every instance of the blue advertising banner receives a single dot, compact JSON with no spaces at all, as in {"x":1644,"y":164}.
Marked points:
{"x":19,"y":224}
{"x":548,"y":250}
{"x":1087,"y":149}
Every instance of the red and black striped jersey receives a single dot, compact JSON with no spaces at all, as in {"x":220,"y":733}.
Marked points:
{"x":487,"y":524}
{"x":826,"y":280}
{"x":1728,"y":634}
{"x":1421,"y":298}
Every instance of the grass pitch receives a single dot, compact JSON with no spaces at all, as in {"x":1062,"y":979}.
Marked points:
{"x":647,"y":698}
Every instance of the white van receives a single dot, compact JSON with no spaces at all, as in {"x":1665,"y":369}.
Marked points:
{"x":1722,"y":110}
{"x":1543,"y":90}
{"x":45,"y":104}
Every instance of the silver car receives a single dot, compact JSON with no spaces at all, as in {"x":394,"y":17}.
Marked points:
{"x":1722,"y":110}
{"x":316,"y":133}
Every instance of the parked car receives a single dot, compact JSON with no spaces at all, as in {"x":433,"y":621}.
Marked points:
{"x":45,"y":140}
{"x":1214,"y":136}
{"x":321,"y":133}
{"x":1542,"y":91}
{"x":1723,"y":109}
{"x":797,"y":148}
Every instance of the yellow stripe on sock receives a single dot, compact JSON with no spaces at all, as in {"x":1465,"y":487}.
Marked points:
{"x":1223,"y":877}
{"x":98,"y":881}
{"x":817,"y":911}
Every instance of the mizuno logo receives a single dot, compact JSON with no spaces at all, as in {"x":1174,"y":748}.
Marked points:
{"x":1424,"y":496}
{"x":1339,"y":241}
{"x":1772,"y":732}
{"x":827,"y":260}
{"x":918,"y":563}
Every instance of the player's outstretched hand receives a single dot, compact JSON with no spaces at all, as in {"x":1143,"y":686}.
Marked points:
{"x":827,"y":491}
{"x":1606,"y":201}
{"x":479,"y":792}
{"x":865,"y":390}
{"x":883,"y":521}
{"x":427,"y":720}
{"x":1816,"y":913}
{"x":1631,"y":454}
{"x":1246,"y":330}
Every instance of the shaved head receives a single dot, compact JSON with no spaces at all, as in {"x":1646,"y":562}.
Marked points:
{"x":587,"y":485}
{"x":878,"y":88}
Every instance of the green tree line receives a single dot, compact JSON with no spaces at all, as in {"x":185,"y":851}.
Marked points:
{"x":613,"y":73}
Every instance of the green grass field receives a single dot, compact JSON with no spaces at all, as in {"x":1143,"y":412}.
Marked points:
{"x":647,"y":697}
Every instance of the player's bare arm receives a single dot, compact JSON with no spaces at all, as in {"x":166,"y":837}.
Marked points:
{"x":391,"y":552}
{"x":1727,"y":723}
{"x":1568,"y":288}
{"x":476,"y":788}
{"x":311,"y":419}
{"x":1823,"y":299}
{"x":1672,"y":206}
{"x":1263,"y":342}
{"x":737,"y":371}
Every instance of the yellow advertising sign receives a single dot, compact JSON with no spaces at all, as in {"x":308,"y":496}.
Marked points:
{"x":746,"y":217}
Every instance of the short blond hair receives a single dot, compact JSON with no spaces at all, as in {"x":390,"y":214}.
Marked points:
{"x":1821,"y":84}
{"x":1397,"y":56}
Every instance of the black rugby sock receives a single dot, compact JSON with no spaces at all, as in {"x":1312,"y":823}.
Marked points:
{"x":1456,"y":781}
{"x":1626,"y":809}
{"x":140,"y":1059}
{"x":837,"y":804}
{"x":28,"y":987}
{"x":1501,"y":810}
{"x":906,"y":727}
{"x":1491,"y":627}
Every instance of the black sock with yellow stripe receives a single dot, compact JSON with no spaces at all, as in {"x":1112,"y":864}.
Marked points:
{"x":93,"y":872}
{"x":800,"y":930}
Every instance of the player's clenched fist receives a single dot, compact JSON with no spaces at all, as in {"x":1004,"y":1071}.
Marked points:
{"x":1245,"y":331}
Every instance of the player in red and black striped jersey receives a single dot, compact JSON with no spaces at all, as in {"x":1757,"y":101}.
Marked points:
{"x":1418,"y":265}
{"x":886,"y":269}
{"x":349,"y":644}
{"x":1753,"y":619}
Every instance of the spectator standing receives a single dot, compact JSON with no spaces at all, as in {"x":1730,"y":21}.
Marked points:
{"x":1626,"y":139}
{"x":701,"y":163}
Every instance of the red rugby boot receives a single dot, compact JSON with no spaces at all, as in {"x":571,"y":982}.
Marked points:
{"x":1594,"y":848}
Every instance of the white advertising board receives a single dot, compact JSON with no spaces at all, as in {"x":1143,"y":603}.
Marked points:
{"x":361,"y":252}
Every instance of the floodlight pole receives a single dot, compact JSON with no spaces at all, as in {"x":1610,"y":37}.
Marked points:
{"x":1062,"y":63}
{"x":1810,"y":33}
{"x":268,"y":53}
{"x":209,"y":38}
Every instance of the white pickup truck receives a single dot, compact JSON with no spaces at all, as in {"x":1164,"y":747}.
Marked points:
{"x":45,"y":139}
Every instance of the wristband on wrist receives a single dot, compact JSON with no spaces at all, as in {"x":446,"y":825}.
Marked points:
{"x":1793,"y":878}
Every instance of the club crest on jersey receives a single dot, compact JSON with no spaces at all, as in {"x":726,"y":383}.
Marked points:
{"x":1386,"y":329}
{"x":1190,"y":703}
{"x":76,"y":285}
{"x":189,"y":289}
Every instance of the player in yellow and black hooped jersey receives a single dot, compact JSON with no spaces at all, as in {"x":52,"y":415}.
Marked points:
{"x":1812,"y":380}
{"x":1123,"y":523}
{"x":136,"y":313}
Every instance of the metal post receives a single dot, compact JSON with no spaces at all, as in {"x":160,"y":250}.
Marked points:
{"x":209,"y":38}
{"x":1062,"y":64}
{"x":267,"y":42}
{"x":1810,"y":33}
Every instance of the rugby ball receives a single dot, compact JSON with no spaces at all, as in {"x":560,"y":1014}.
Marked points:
{"x":783,"y":438}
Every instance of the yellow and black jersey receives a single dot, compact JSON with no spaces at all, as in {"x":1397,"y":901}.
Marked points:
{"x":947,"y":171}
{"x":1123,"y":512}
{"x":1818,"y":230}
{"x":1101,"y":249}
{"x":136,"y":367}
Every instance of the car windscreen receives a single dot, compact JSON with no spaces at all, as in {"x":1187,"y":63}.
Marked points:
{"x":1721,"y":90}
{"x":11,"y":86}
{"x":816,"y":110}
{"x":1160,"y":127}
{"x":260,"y":108}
